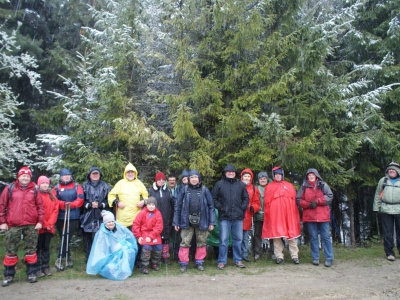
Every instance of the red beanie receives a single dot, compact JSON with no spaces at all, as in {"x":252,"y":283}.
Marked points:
{"x":43,"y":179}
{"x":24,"y":170}
{"x":160,"y":175}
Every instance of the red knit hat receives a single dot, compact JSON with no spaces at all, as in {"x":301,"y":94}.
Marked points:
{"x":24,"y":170}
{"x":43,"y":179}
{"x":160,"y":175}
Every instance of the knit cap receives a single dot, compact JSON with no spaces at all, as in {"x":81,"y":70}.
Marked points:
{"x":24,"y":170}
{"x":262,"y":174}
{"x":160,"y":175}
{"x":152,"y":200}
{"x":107,"y":216}
{"x":43,"y":179}
{"x":65,"y":172}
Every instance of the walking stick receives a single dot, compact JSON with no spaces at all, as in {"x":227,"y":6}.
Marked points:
{"x":62,"y":244}
{"x":67,"y":241}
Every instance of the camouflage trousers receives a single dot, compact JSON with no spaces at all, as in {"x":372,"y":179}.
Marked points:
{"x":13,"y":238}
{"x":187,"y":235}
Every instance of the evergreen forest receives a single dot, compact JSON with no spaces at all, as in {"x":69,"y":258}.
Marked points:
{"x":197,"y":84}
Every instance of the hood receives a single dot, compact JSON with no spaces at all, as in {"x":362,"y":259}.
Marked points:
{"x":229,"y":168}
{"x":312,"y":171}
{"x":394,"y":166}
{"x":130,"y":167}
{"x":93,"y":168}
{"x":274,"y":169}
{"x":247,"y":170}
{"x":185,"y":173}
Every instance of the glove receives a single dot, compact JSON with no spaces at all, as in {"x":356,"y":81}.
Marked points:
{"x":312,"y":204}
{"x":251,"y":209}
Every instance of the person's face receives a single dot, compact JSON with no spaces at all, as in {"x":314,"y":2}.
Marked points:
{"x":392,"y":173}
{"x":24,"y":179}
{"x":230,"y":174}
{"x":263,"y":181}
{"x":110,"y":225}
{"x":130,"y":175}
{"x":160,"y":182}
{"x":246,"y":178}
{"x":151,"y":207}
{"x":185,"y":180}
{"x":194,"y":179}
{"x":44,"y":186}
{"x":94,"y":176}
{"x":278,"y":177}
{"x":66,"y":178}
{"x":311,"y":177}
{"x":171,"y":182}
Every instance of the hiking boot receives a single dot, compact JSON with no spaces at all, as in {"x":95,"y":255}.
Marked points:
{"x":279,"y":261}
{"x":295,"y":260}
{"x":183,"y":268}
{"x":391,"y":258}
{"x":239,"y":264}
{"x":144,"y":270}
{"x":32,"y":278}
{"x":46,"y":272}
{"x":69,"y":263}
{"x":40,"y":274}
{"x":7,"y":281}
{"x":246,"y":258}
{"x":200,"y":267}
{"x":328,"y":263}
{"x":315,"y":262}
{"x":155,"y":267}
{"x":59,"y":265}
{"x":220,"y":266}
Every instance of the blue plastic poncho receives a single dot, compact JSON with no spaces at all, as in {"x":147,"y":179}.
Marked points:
{"x":113,"y":253}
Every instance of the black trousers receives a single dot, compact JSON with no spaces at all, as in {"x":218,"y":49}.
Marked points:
{"x":389,"y":223}
{"x":43,"y":250}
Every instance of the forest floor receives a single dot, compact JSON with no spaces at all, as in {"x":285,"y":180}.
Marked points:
{"x":357,"y":278}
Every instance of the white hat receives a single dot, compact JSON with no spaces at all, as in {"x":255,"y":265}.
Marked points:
{"x":107,"y":216}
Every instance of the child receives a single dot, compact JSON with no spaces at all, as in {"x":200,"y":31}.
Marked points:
{"x":165,"y":204}
{"x":113,"y":250}
{"x":50,"y":205}
{"x":147,"y":228}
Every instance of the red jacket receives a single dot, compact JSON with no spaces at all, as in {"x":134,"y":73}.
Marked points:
{"x":50,"y":212}
{"x":254,"y":201}
{"x":23,"y":208}
{"x":148,"y":224}
{"x":281,"y":215}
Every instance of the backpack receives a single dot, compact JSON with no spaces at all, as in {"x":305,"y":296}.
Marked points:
{"x":11,"y":186}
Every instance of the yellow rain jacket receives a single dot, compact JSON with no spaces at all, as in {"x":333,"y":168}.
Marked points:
{"x":128,"y":193}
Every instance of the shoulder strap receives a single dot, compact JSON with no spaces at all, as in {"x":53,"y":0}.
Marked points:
{"x":10,"y":188}
{"x":384,"y":183}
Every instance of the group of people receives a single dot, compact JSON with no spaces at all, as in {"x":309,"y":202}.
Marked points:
{"x":114,"y":220}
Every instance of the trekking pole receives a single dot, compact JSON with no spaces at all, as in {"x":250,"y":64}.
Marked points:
{"x":62,"y":245}
{"x":67,"y":240}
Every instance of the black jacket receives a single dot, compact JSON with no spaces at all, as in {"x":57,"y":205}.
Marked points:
{"x":165,"y":204}
{"x":94,"y":192}
{"x":230,"y":197}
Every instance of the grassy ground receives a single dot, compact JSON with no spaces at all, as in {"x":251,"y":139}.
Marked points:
{"x":370,"y":249}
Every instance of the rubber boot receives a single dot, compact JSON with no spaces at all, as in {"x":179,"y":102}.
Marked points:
{"x":155,"y":261}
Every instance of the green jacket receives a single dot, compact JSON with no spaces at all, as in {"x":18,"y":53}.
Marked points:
{"x":387,"y":198}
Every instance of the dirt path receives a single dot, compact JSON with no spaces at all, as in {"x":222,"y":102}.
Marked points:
{"x":372,"y":279}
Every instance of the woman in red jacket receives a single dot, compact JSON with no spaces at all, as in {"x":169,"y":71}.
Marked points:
{"x":147,"y":228}
{"x":315,"y":198}
{"x":50,"y":205}
{"x":254,"y":206}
